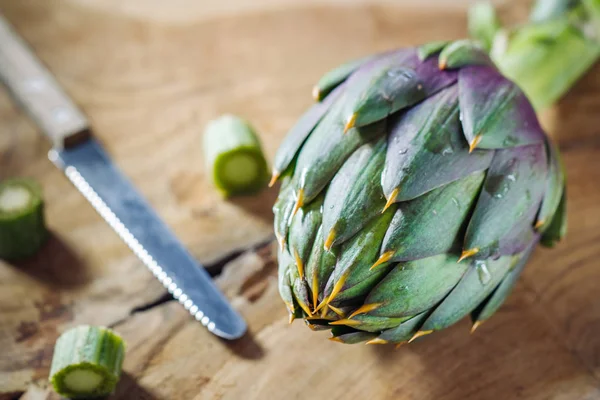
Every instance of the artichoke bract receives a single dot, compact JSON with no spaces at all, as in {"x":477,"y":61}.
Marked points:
{"x":412,"y":194}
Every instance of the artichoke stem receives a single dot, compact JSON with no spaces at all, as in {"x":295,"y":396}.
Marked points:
{"x":550,"y":53}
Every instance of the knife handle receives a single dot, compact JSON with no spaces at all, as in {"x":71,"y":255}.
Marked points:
{"x":38,"y":92}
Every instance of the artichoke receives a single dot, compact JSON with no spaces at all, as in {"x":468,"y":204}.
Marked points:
{"x":412,"y":194}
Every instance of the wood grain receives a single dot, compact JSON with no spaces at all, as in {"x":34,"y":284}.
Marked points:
{"x":150,"y":74}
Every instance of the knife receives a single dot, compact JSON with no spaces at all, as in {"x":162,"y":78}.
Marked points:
{"x":90,"y":169}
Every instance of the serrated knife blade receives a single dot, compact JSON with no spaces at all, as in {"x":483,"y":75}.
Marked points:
{"x":89,"y":168}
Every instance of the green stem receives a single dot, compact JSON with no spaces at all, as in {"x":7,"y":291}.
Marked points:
{"x":234,"y":156}
{"x":550,"y":53}
{"x":22,"y":226}
{"x":87,"y":362}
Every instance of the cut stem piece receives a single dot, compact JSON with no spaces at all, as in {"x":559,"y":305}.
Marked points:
{"x":22,"y":225}
{"x":87,"y":362}
{"x":234,"y":156}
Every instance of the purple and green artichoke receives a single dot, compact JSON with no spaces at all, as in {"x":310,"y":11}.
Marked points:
{"x":412,"y":195}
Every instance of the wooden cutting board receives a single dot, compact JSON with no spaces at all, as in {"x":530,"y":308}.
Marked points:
{"x":150,"y":74}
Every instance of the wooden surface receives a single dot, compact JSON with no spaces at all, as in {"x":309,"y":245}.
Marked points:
{"x":150,"y":74}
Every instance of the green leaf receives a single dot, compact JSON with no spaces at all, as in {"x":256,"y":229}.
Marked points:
{"x":390,"y":84}
{"x":336,"y":76}
{"x":430,"y":49}
{"x":415,"y":286}
{"x":426,"y":149}
{"x":286,"y":262}
{"x":434,"y":222}
{"x":558,"y":227}
{"x":462,"y":53}
{"x":354,"y":196}
{"x":300,"y":291}
{"x":320,"y":266}
{"x":405,"y":331}
{"x":487,"y":308}
{"x":326,"y":150}
{"x":356,"y":258}
{"x":511,"y":195}
{"x":495,"y":113}
{"x":303,"y":230}
{"x":296,"y":137}
{"x":555,"y":183}
{"x":470,"y":292}
{"x":282,"y":210}
{"x":347,"y":335}
{"x":371,"y":323}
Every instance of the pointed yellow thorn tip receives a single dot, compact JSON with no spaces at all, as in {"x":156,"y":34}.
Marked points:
{"x":299,"y":264}
{"x":365,"y":309}
{"x":468,"y":253}
{"x":282,"y":243}
{"x":299,"y":201}
{"x":350,"y":123}
{"x":418,"y":335}
{"x":292,"y":318}
{"x":315,"y":291}
{"x":274,"y":178}
{"x":336,"y":339}
{"x":385,"y":257}
{"x":398,"y":345}
{"x":290,"y":307}
{"x":347,"y":322}
{"x":337,"y":288}
{"x":391,"y":199}
{"x":330,"y":239}
{"x":323,"y":311}
{"x":323,"y":304}
{"x":377,"y":341}
{"x":474,"y":143}
{"x":442,"y":64}
{"x":305,"y":308}
{"x":539,"y":224}
{"x":337,"y":311}
{"x":476,"y":325}
{"x":316,"y":93}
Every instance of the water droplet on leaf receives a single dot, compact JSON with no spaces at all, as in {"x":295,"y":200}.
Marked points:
{"x":483,"y":272}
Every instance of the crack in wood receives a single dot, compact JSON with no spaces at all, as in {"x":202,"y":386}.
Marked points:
{"x":215,"y":268}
